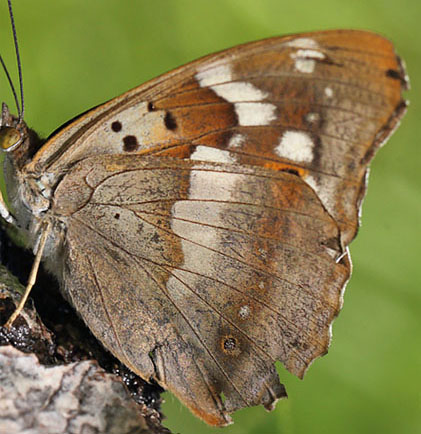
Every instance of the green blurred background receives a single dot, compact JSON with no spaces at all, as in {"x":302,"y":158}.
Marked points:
{"x":77,"y":54}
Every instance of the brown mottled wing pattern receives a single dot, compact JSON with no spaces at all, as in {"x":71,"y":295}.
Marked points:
{"x":317,"y":104}
{"x":202,"y":275}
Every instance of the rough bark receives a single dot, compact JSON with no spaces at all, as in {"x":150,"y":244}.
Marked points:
{"x":59,"y":379}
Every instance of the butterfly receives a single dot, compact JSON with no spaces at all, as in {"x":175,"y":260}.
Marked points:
{"x":200,"y":223}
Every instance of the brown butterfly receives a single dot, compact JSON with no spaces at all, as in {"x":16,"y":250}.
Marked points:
{"x":200,"y":223}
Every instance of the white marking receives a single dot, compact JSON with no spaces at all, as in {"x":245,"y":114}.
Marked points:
{"x":312,"y":117}
{"x":243,"y":95}
{"x":206,"y":153}
{"x":236,"y":141}
{"x":305,"y":43}
{"x":305,"y":60}
{"x":205,"y":212}
{"x":296,"y":146}
{"x":261,"y":284}
{"x":214,"y":75}
{"x":326,"y":189}
{"x":323,"y":195}
{"x":205,"y":185}
{"x":239,"y":91}
{"x":305,"y":65}
{"x":209,"y":185}
{"x":312,"y":183}
{"x":328,"y":92}
{"x":244,"y":312}
{"x":255,"y":113}
{"x":311,"y":54}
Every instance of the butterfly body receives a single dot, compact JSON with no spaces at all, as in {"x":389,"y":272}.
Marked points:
{"x":200,"y":223}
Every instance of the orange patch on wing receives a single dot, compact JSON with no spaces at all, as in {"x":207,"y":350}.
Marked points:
{"x":180,"y":151}
{"x":284,"y":167}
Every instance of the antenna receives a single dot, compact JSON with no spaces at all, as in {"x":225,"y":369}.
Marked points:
{"x":20,"y":107}
{"x":9,"y":79}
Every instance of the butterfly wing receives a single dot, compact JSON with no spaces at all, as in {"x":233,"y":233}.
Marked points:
{"x":213,"y":242}
{"x":317,"y":104}
{"x":201,"y":275}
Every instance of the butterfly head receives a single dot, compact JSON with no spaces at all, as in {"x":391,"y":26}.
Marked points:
{"x":12,"y":130}
{"x":17,"y":140}
{"x":19,"y":143}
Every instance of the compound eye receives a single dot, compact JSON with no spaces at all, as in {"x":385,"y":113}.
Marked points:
{"x":10,"y":138}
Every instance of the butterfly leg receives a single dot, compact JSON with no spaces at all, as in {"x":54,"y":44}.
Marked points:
{"x":32,"y":276}
{"x":4,"y":212}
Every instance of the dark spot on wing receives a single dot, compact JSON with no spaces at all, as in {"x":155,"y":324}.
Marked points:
{"x":116,"y":126}
{"x":151,"y":107}
{"x":230,"y":344}
{"x":224,"y":137}
{"x":292,"y":171}
{"x":396,"y":75}
{"x":117,"y":216}
{"x":130,"y":143}
{"x":169,"y":121}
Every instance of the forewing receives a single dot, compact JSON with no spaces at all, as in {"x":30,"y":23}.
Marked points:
{"x":202,"y":275}
{"x":317,"y":104}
